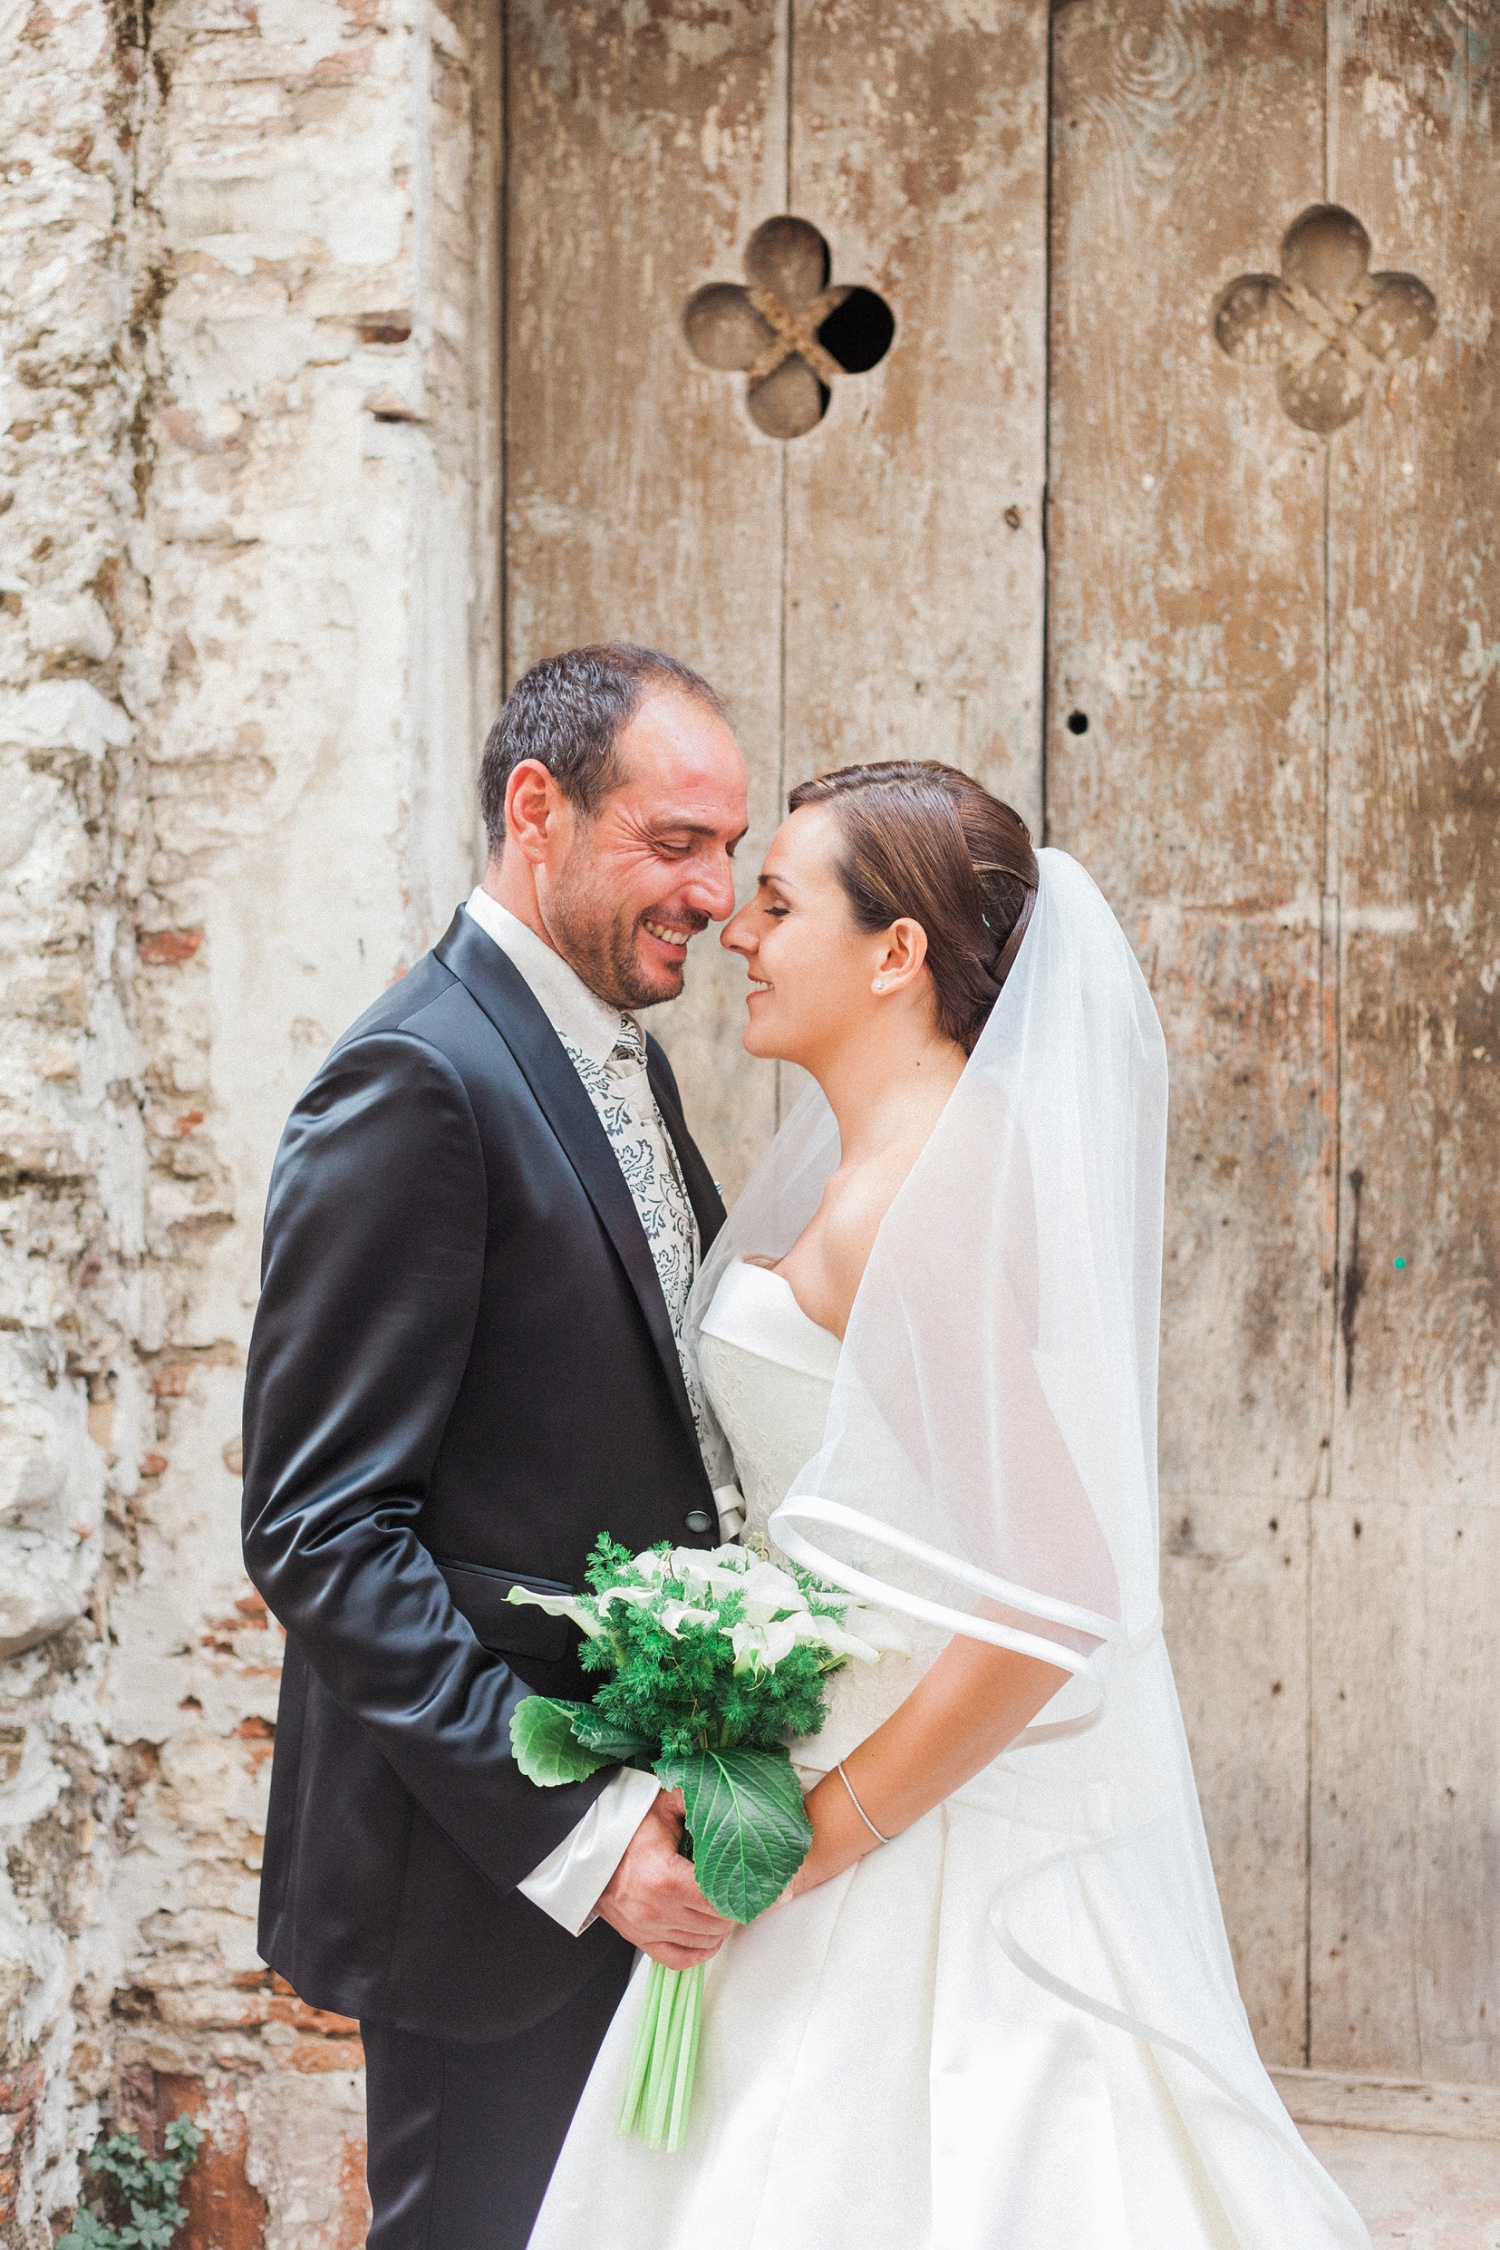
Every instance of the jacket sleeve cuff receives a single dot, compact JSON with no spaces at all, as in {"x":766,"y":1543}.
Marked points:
{"x":570,"y":1881}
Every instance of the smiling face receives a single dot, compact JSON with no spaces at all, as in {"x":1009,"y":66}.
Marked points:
{"x":817,"y":981}
{"x":622,"y":892}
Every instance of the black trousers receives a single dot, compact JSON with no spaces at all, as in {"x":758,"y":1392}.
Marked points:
{"x":464,"y":2133}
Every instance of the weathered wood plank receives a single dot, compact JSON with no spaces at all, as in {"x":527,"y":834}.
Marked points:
{"x":1186,"y":630}
{"x":1185,"y":646}
{"x":1366,"y":1723}
{"x":1458,"y":1766}
{"x":1236,"y":1627}
{"x":1247,"y":1251}
{"x":914,"y":600}
{"x":639,"y":502}
{"x":1407,"y":1682}
{"x":1406,"y":1777}
{"x":1415,"y":560}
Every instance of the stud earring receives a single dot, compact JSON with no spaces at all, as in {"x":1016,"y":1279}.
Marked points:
{"x":881,"y":984}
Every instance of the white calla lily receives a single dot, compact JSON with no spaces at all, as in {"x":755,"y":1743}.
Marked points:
{"x":632,"y":1597}
{"x":760,"y":1648}
{"x":719,"y":1570}
{"x":883,"y":1631}
{"x":558,"y":1605}
{"x":674,"y":1615}
{"x":835,"y":1638}
{"x":767,"y":1592}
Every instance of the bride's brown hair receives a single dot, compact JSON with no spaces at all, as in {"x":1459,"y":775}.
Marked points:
{"x":925,"y":841}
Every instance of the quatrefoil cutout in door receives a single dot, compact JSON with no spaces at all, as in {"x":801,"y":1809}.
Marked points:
{"x":1326,"y":323}
{"x":791,"y":330}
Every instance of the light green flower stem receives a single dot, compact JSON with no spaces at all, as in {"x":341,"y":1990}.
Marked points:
{"x":659,"y":2090}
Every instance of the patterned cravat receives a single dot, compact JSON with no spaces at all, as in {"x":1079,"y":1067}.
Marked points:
{"x":620,"y":1091}
{"x":629,"y":1050}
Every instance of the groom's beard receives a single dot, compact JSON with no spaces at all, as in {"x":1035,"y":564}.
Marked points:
{"x":608,"y":950}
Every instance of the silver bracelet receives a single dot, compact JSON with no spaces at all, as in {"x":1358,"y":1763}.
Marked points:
{"x":859,"y":1808}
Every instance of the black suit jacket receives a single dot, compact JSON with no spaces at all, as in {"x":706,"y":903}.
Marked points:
{"x":462,"y":1371}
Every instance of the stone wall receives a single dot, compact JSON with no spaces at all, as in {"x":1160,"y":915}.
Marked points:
{"x":248,"y":634}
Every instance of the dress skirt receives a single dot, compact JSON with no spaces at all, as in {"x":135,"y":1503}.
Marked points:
{"x":876,"y":2073}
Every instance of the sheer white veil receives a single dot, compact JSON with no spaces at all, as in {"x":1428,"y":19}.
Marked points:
{"x":989,"y":1466}
{"x":989,"y":1458}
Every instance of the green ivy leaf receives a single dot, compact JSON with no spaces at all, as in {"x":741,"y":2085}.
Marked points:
{"x":88,"y":2234}
{"x":545,"y":1746}
{"x":152,"y":2230}
{"x":147,"y":2183}
{"x":749,"y":1828}
{"x":182,"y":2140}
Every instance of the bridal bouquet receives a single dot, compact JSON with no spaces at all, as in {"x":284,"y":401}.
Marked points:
{"x":716,"y":1660}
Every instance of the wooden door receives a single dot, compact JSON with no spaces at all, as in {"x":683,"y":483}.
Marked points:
{"x":1272,"y":734}
{"x":1268,"y":710}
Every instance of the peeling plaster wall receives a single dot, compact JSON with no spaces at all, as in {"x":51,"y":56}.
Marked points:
{"x":248,"y":634}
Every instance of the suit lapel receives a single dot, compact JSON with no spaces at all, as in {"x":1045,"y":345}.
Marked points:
{"x":498,"y":986}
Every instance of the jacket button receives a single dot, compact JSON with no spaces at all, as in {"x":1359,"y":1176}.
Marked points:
{"x":698,"y":1519}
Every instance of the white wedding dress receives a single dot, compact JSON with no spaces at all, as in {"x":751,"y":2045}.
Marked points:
{"x":875,"y":2073}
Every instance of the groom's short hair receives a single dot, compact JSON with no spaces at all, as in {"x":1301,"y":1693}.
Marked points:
{"x":568,"y":712}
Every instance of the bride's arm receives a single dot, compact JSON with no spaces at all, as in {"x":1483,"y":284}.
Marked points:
{"x":958,"y":1717}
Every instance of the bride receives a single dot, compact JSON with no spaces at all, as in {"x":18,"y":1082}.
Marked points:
{"x":998,"y":2007}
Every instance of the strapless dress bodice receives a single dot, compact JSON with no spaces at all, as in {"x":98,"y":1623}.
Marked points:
{"x":769,"y":1372}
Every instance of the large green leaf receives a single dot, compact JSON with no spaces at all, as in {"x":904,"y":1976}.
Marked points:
{"x":596,"y":1732}
{"x":545,"y":1746}
{"x":746,"y":1818}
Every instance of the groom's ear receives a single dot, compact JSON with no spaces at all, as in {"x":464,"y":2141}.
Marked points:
{"x":538,"y":816}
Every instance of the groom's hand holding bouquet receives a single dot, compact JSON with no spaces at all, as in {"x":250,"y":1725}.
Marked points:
{"x":652,"y":1898}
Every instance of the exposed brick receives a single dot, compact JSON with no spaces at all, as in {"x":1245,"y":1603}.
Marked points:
{"x":327,"y":2054}
{"x":353,"y":2207}
{"x":20,"y":2087}
{"x":289,"y":2009}
{"x":225,"y":2212}
{"x":168,"y":949}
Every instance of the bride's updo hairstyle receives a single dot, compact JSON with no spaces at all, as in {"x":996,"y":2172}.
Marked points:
{"x":924,"y":841}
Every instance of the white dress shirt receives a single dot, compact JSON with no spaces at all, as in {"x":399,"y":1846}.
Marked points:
{"x":607,"y":1049}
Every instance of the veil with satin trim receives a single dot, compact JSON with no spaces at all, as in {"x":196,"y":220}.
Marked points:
{"x":989,"y":1465}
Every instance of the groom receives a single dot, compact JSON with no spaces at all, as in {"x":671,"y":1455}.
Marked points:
{"x":483,"y":1222}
